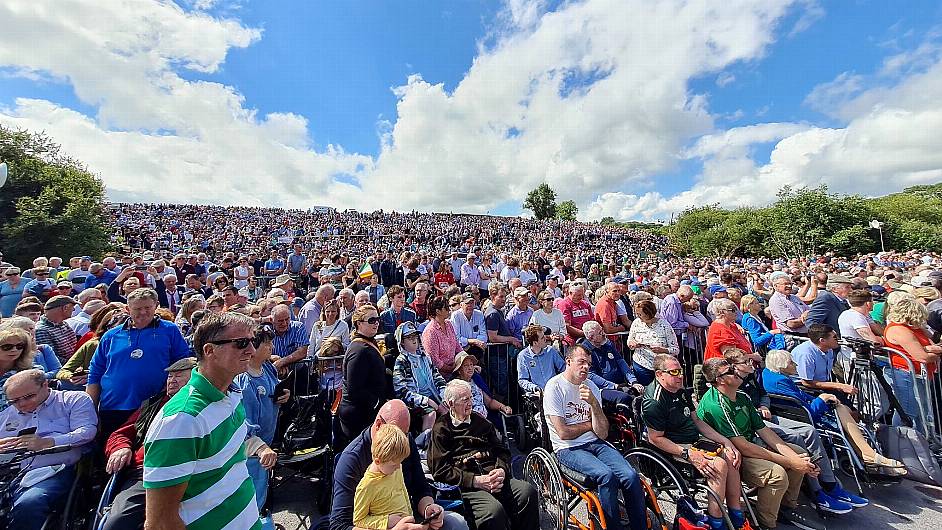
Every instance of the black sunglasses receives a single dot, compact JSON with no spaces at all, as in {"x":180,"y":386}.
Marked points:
{"x":241,"y":342}
{"x":9,"y":347}
{"x":372,"y":320}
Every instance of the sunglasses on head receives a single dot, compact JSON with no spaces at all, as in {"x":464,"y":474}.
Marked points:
{"x":241,"y":342}
{"x":9,"y":347}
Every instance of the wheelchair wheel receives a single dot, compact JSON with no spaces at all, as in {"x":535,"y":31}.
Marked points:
{"x":541,"y":470}
{"x":666,"y":483}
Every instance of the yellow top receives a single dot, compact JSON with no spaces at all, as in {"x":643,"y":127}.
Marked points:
{"x":377,"y":497}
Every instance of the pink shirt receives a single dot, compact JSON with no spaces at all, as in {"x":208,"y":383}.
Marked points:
{"x":575,"y":314}
{"x":440,"y":343}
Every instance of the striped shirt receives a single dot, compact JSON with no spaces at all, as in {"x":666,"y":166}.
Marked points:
{"x":199,"y":438}
{"x":295,"y":337}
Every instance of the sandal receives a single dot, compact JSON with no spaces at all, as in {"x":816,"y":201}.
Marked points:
{"x":882,"y":461}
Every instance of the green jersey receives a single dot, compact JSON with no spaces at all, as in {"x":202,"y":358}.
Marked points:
{"x":669,"y":413}
{"x":730,"y":418}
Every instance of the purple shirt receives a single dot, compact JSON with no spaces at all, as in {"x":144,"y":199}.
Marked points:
{"x":67,"y":416}
{"x":787,"y":308}
{"x":673,"y":312}
{"x":469,"y":274}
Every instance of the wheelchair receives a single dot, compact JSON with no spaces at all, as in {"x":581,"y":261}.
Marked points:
{"x":561,"y":490}
{"x":75,"y":513}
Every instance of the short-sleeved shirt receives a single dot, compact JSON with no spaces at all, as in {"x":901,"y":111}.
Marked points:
{"x":561,"y":398}
{"x":730,"y":418}
{"x":575,"y":314}
{"x":813,"y":364}
{"x":199,"y":438}
{"x":289,"y":341}
{"x":494,"y":320}
{"x":669,"y":413}
{"x":850,"y":321}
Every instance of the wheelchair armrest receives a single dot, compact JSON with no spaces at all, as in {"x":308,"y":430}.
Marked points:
{"x":790,"y":407}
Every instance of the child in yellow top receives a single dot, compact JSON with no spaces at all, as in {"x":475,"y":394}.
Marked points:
{"x":381,"y":498}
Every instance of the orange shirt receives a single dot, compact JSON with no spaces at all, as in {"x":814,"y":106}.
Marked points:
{"x":923,"y":339}
{"x":721,"y":335}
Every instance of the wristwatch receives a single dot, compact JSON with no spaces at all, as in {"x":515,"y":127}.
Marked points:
{"x":685,"y":454}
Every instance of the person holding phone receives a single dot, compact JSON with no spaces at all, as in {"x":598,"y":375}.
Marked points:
{"x":674,"y":428}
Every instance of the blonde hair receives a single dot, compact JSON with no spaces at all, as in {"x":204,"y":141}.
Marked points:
{"x":330,"y":347}
{"x":908,"y":311}
{"x":895,"y":297}
{"x":25,"y":360}
{"x":745,"y":302}
{"x":390,"y":445}
{"x":777,"y":360}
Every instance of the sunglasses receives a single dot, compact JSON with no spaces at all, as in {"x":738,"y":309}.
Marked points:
{"x":676,"y":372}
{"x":549,"y":299}
{"x":372,"y":320}
{"x":42,"y":274}
{"x":455,"y":304}
{"x":9,"y":347}
{"x":241,"y":342}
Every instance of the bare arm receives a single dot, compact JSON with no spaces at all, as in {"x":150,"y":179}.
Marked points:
{"x":162,"y":508}
{"x":95,"y":392}
{"x":569,"y":432}
{"x":295,"y":356}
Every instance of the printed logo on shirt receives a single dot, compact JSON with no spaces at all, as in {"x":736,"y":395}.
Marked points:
{"x":261,"y":390}
{"x":137,"y":354}
{"x":580,"y":313}
{"x":577,"y":412}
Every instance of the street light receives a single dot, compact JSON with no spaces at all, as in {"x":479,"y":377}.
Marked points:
{"x":879,"y":226}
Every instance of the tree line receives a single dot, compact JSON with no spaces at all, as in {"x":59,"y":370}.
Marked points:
{"x":809,"y":221}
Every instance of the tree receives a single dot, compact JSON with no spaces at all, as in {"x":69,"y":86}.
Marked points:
{"x":567,"y":211}
{"x":607,"y":221}
{"x":542,"y":201}
{"x":51,"y":204}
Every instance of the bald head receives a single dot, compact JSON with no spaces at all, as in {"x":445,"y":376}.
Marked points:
{"x":395,"y":412}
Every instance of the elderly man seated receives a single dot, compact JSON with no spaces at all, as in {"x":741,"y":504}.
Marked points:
{"x":57,"y":418}
{"x":466,"y":451}
{"x":674,"y":428}
{"x":609,"y":365}
{"x":353,"y":463}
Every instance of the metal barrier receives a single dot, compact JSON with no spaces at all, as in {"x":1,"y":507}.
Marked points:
{"x":926,"y":400}
{"x":500,"y":372}
{"x":692,"y":344}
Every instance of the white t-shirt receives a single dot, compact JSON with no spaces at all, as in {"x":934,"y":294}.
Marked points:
{"x":555,"y":320}
{"x":850,"y":321}
{"x":561,"y":398}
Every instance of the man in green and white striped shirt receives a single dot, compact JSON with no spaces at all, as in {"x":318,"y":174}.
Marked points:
{"x":194,"y":454}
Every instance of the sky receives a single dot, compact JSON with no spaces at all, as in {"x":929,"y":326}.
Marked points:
{"x":635,"y":110}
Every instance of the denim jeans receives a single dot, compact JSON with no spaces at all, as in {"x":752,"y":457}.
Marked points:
{"x":259,"y":476}
{"x":32,"y":505}
{"x":642,"y":374}
{"x":608,"y":468}
{"x":498,"y":364}
{"x":905,"y":389}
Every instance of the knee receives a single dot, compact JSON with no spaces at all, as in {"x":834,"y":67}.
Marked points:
{"x":778,"y":478}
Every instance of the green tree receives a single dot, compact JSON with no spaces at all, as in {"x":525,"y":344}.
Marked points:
{"x":51,"y":204}
{"x":542,"y":201}
{"x":802,"y":221}
{"x":607,"y":221}
{"x":567,"y":211}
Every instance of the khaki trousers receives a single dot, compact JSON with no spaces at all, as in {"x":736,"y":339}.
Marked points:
{"x":776,"y":486}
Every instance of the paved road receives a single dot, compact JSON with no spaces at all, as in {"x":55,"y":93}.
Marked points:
{"x":907,"y":505}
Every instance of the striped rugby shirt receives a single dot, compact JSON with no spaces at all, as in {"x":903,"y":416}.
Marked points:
{"x":199,"y":438}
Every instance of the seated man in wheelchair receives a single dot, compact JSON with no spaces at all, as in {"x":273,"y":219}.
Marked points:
{"x":674,"y":428}
{"x":578,"y":427}
{"x":776,"y":378}
{"x":466,"y":451}
{"x":40,"y":418}
{"x":609,"y":365}
{"x":814,"y":360}
{"x":125,"y":446}
{"x":828,"y":493}
{"x":770,"y":464}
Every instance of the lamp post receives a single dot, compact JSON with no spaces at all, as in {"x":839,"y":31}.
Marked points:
{"x":879,"y":226}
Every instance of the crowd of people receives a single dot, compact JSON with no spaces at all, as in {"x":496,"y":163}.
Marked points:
{"x":163,"y":362}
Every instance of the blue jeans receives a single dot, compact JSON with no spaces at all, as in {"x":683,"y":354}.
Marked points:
{"x":642,"y":374}
{"x":905,"y":388}
{"x":259,"y":476}
{"x":609,"y":469}
{"x":31,"y":506}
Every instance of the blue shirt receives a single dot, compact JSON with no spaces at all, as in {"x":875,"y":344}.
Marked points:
{"x":68,"y":417}
{"x":274,"y":265}
{"x":760,"y":335}
{"x":296,"y":263}
{"x":129,"y":363}
{"x":813,"y":364}
{"x":46,"y":357}
{"x":469,"y":329}
{"x":389,"y":320}
{"x":106,"y":278}
{"x":258,"y":398}
{"x":9,"y":297}
{"x":608,"y":363}
{"x":517,"y":320}
{"x":292,"y":339}
{"x":534,"y":370}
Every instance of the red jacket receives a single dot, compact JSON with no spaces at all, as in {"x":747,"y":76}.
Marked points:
{"x":124,"y":437}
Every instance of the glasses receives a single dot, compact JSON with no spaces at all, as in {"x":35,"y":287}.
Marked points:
{"x":241,"y":342}
{"x":676,"y":372}
{"x":9,"y":347}
{"x":27,"y":397}
{"x":456,"y":304}
{"x":63,"y":288}
{"x":11,"y":274}
{"x":372,"y":320}
{"x":549,"y":299}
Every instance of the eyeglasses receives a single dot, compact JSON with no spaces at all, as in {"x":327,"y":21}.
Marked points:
{"x":549,"y":299}
{"x":9,"y":347}
{"x":9,"y":274}
{"x":27,"y":397}
{"x":676,"y":372}
{"x":241,"y":342}
{"x":372,"y":320}
{"x":456,"y":304}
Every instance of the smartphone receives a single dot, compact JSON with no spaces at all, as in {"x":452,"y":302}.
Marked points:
{"x":140,"y":267}
{"x":708,"y":447}
{"x":27,"y":431}
{"x":426,"y":520}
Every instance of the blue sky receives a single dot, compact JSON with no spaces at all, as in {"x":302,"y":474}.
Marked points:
{"x":323,"y":90}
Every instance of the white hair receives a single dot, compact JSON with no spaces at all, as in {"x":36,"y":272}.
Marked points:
{"x":777,"y":360}
{"x":454,"y":389}
{"x":590,"y":326}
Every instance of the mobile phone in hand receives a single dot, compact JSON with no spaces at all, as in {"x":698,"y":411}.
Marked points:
{"x":27,"y":431}
{"x":426,"y":520}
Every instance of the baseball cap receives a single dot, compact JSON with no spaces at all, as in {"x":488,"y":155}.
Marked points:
{"x":717,"y":289}
{"x":521,"y":291}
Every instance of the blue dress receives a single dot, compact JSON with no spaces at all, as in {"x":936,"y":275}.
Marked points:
{"x":9,"y":297}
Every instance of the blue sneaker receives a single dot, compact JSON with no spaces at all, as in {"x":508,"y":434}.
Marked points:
{"x":843,"y":495}
{"x":826,"y":503}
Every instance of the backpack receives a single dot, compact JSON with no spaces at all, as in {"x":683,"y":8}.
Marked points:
{"x":911,"y":448}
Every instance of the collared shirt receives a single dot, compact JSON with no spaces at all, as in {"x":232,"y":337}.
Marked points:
{"x":295,"y":337}
{"x":669,"y":413}
{"x":730,"y":418}
{"x":813,"y":364}
{"x":469,"y":274}
{"x":60,"y":336}
{"x":79,"y":323}
{"x":67,"y":416}
{"x":469,"y":329}
{"x":787,"y":308}
{"x":673,"y":312}
{"x":517,"y":319}
{"x":440,"y":343}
